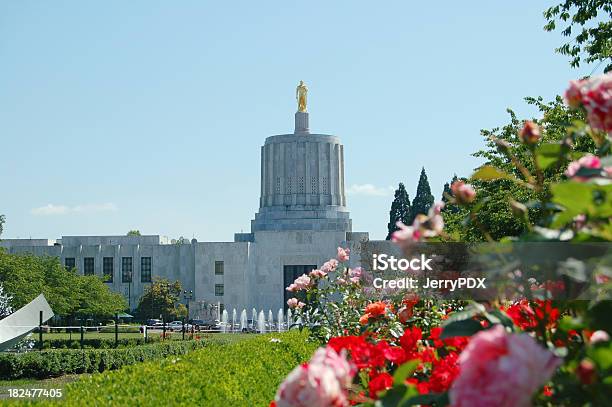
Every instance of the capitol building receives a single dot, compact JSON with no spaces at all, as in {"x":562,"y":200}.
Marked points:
{"x":302,"y":219}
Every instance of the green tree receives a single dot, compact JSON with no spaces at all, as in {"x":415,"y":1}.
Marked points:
{"x":162,"y":297}
{"x":588,"y":24}
{"x":95,"y":299}
{"x":400,"y":210}
{"x":25,"y":276}
{"x":423,"y":199}
{"x":447,"y":194}
{"x":495,"y":215}
{"x":134,"y":232}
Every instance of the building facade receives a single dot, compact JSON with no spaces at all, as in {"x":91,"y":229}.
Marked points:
{"x":302,"y":219}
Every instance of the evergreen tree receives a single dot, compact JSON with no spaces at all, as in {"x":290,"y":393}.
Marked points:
{"x":423,"y":199}
{"x":400,"y":209}
{"x":447,"y":194}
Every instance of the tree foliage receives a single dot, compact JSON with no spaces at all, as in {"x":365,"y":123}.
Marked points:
{"x":495,"y":197}
{"x":423,"y":199}
{"x":69,"y":294}
{"x":588,"y":25}
{"x":134,"y":232}
{"x":2,"y":220}
{"x":162,"y":297}
{"x":400,"y":210}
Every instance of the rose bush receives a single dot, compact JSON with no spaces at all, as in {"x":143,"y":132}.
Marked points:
{"x":534,"y":348}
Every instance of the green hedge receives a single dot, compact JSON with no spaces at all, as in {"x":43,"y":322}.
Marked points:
{"x":97,"y":343}
{"x":57,"y":362}
{"x":245,"y":373}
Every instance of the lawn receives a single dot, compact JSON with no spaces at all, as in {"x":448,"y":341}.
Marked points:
{"x":244,"y":372}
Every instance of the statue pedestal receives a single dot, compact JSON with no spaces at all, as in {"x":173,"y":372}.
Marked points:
{"x":301,"y":123}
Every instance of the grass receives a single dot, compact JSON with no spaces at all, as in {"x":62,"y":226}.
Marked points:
{"x":245,"y":372}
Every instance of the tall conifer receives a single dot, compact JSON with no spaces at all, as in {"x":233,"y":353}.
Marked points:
{"x":400,"y":209}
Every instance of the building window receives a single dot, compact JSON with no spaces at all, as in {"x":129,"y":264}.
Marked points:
{"x":289,"y":185}
{"x":218,"y":290}
{"x":107,"y":269}
{"x":126,"y":269}
{"x":219,"y":268}
{"x":314,"y":187}
{"x":301,"y":185}
{"x":278,"y":185}
{"x":325,"y":185}
{"x":88,"y":266}
{"x":69,"y":263}
{"x":145,"y":270}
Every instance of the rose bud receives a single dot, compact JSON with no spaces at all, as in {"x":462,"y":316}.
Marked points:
{"x":586,"y":372}
{"x":599,"y":336}
{"x":530,"y":134}
{"x":463,"y":193}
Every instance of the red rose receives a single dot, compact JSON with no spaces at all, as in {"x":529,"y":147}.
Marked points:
{"x":381,"y":382}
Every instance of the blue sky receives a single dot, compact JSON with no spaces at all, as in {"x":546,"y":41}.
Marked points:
{"x":149,"y":115}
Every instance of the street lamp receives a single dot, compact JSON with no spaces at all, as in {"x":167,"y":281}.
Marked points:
{"x":187,"y":296}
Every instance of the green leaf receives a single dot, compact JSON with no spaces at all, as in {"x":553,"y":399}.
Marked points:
{"x":581,"y":198}
{"x":467,"y":327}
{"x":602,"y":356}
{"x":499,"y":317}
{"x":490,"y":173}
{"x":403,"y":371}
{"x":548,"y":154}
{"x":396,"y":395}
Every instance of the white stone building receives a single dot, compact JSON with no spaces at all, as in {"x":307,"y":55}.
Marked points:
{"x":302,"y":219}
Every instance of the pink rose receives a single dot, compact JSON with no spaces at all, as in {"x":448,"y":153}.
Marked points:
{"x":343,"y":254}
{"x":303,"y":282}
{"x":343,"y":369}
{"x":588,"y":161}
{"x":530,"y":134}
{"x":322,"y":382}
{"x":406,"y":234}
{"x":599,"y":336}
{"x":501,"y":369}
{"x":595,"y":94}
{"x":463,"y":193}
{"x":330,"y":266}
{"x":355,"y":274}
{"x":295,"y":303}
{"x":317,"y":274}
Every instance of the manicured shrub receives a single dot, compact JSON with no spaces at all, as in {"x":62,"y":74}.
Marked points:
{"x":244,"y":373}
{"x":97,"y":343}
{"x":57,"y":362}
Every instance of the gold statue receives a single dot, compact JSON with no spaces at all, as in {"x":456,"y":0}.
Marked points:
{"x":301,"y":93}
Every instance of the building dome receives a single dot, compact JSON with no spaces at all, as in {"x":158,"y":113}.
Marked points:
{"x":302,"y":182}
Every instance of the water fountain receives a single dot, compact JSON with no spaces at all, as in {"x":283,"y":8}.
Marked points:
{"x":270,"y":321}
{"x":234,"y":320}
{"x":280,"y":320}
{"x":261,"y":322}
{"x":224,"y":318}
{"x":254,"y":318}
{"x":243,"y":321}
{"x":289,"y":318}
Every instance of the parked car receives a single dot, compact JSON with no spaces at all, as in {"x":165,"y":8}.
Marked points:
{"x":154,"y":322}
{"x":178,"y":326}
{"x":199,"y":324}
